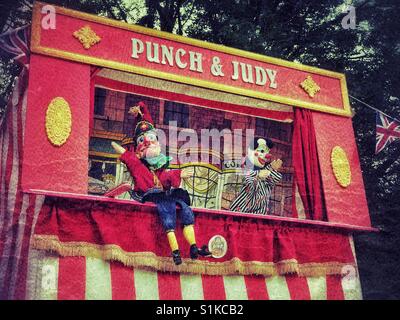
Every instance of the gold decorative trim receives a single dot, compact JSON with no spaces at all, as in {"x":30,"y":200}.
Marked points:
{"x":58,"y":121}
{"x":196,"y":164}
{"x":87,"y":37}
{"x":341,"y":166}
{"x":310,"y":86}
{"x":148,"y":260}
{"x":37,"y":48}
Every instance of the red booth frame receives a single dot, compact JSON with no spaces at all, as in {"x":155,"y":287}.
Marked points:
{"x":60,"y":67}
{"x":52,"y":67}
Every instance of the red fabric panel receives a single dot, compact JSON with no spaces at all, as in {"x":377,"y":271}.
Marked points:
{"x":298,"y":287}
{"x":306,"y":165}
{"x":50,"y":78}
{"x":122,"y":282}
{"x":22,"y":272}
{"x":213,"y":287}
{"x":71,"y":278}
{"x":334,"y":288}
{"x":11,"y":234}
{"x":17,"y":209}
{"x":136,"y":228}
{"x":256,"y":288}
{"x":127,"y":87}
{"x":344,"y":205}
{"x":169,"y":286}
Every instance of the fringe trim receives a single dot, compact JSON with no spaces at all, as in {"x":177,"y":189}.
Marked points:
{"x":148,"y":260}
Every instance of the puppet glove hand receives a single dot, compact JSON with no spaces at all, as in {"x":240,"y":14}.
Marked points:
{"x":118,"y":149}
{"x":263,"y":174}
{"x":276,"y":164}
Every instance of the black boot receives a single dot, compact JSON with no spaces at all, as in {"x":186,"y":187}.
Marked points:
{"x":194,"y":251}
{"x":176,"y":256}
{"x":204,"y":252}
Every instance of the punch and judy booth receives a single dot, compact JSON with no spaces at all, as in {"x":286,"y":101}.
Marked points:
{"x":62,"y":238}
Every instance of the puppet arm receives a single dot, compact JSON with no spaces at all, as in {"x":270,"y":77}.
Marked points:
{"x":251,"y":176}
{"x":174,"y":176}
{"x":129,"y":158}
{"x":274,"y":177}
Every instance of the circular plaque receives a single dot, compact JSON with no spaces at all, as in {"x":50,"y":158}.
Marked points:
{"x":58,"y":121}
{"x":217,"y":246}
{"x":341,"y":166}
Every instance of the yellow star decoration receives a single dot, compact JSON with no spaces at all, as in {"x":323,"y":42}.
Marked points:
{"x":87,"y":37}
{"x":310,"y":86}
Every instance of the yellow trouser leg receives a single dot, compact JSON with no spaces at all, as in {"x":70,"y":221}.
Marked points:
{"x":188,"y":232}
{"x":172,"y":240}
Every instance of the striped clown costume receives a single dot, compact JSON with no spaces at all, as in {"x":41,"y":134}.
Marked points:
{"x":260,"y":176}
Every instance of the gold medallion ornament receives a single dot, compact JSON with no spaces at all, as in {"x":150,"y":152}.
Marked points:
{"x":58,"y":121}
{"x":217,"y":246}
{"x":341,"y":166}
{"x":310,"y":86}
{"x":87,"y":37}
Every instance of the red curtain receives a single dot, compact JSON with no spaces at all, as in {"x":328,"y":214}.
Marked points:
{"x":132,"y":234}
{"x":307,"y":173}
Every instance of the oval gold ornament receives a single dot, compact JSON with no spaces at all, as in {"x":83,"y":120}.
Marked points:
{"x":217,"y":246}
{"x":341,"y":166}
{"x":58,"y":121}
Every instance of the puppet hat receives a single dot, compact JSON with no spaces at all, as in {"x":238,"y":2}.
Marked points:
{"x":143,"y":117}
{"x":259,"y":141}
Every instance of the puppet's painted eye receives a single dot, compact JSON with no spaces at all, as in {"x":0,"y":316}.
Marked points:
{"x":140,"y":139}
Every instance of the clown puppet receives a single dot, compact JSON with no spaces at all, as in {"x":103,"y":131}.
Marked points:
{"x":153,"y":182}
{"x":260,"y":176}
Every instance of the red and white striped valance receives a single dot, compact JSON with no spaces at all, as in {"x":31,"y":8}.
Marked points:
{"x":53,"y":277}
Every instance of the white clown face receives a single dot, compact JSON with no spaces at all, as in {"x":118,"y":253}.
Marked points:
{"x":260,"y":156}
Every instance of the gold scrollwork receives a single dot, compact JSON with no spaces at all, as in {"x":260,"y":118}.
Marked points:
{"x":310,"y":86}
{"x":87,"y":37}
{"x":58,"y":121}
{"x":341,"y":166}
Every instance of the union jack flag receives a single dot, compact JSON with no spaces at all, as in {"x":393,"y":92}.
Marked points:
{"x":387,"y":131}
{"x":14,"y":44}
